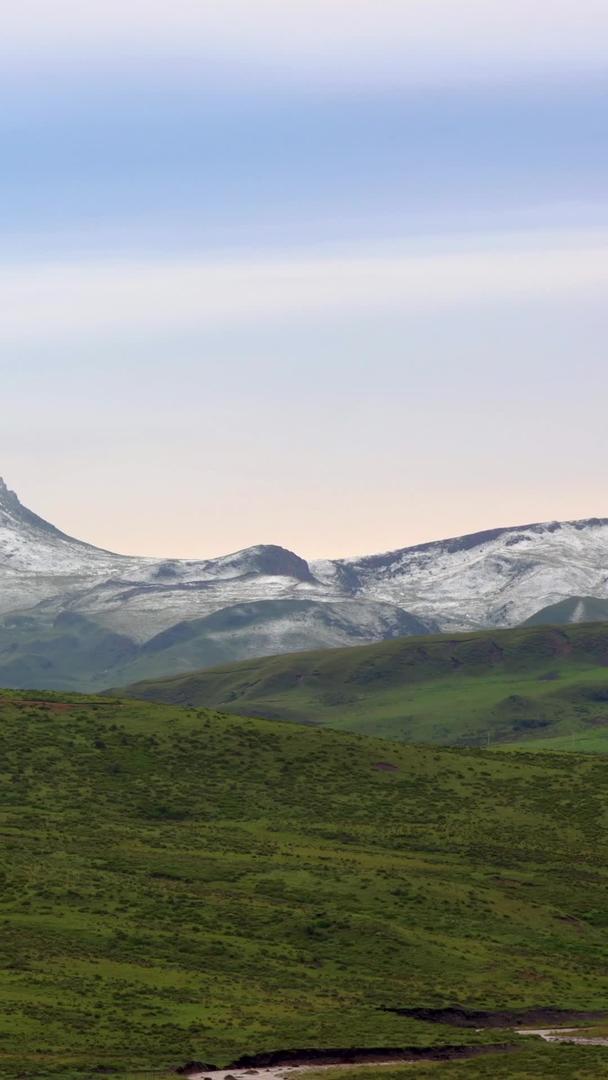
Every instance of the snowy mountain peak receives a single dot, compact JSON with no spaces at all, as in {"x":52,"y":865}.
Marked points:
{"x":16,"y":517}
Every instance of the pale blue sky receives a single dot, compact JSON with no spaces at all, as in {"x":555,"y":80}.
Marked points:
{"x":326,"y":275}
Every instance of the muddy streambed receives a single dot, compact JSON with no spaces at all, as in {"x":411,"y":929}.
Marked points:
{"x":549,"y":1024}
{"x":295,"y":1062}
{"x":565,"y":1035}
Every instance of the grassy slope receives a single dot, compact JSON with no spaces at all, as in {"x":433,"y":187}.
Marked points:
{"x":518,"y":685}
{"x":65,"y":651}
{"x":533,"y":1062}
{"x":72,"y":652}
{"x":181,"y":884}
{"x":575,"y":609}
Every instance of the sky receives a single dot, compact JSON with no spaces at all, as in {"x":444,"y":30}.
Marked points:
{"x":328,"y":274}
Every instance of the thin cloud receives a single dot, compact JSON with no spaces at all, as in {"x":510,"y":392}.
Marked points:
{"x":52,"y":301}
{"x":336,"y":42}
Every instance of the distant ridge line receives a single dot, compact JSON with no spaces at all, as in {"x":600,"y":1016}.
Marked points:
{"x":466,"y":541}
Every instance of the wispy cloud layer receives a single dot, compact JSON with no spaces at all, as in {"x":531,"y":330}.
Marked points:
{"x":336,"y":42}
{"x":228,"y":222}
{"x":46,"y":301}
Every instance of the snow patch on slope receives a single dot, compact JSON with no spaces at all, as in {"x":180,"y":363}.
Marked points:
{"x":497,"y":578}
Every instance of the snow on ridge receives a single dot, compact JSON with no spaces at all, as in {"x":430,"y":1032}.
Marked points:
{"x":501,"y":581}
{"x":497,"y":577}
{"x":466,"y":541}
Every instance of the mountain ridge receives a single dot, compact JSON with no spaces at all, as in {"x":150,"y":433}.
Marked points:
{"x":466,"y":541}
{"x":274,"y":600}
{"x":450,"y":545}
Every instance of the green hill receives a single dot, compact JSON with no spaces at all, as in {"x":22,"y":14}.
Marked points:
{"x":180,"y":884}
{"x":60,"y":651}
{"x":72,"y":652}
{"x":576,"y":609}
{"x":494,"y":687}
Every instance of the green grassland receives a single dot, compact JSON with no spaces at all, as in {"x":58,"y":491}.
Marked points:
{"x":576,"y":738}
{"x":574,"y":609}
{"x":181,"y":884}
{"x":531,"y":1062}
{"x":499,"y":687}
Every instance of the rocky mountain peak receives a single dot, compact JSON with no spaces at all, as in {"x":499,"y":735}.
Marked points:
{"x":10,"y":507}
{"x":7,"y":497}
{"x":269,"y":559}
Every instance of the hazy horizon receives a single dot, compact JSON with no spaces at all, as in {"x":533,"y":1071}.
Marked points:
{"x":170,"y":554}
{"x":326,"y":275}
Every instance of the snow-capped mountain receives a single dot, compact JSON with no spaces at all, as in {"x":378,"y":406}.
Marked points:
{"x":496,"y":578}
{"x":44,"y":571}
{"x":269,"y":597}
{"x":38,"y":561}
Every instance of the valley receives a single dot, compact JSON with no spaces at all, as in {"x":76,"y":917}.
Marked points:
{"x":303,"y":846}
